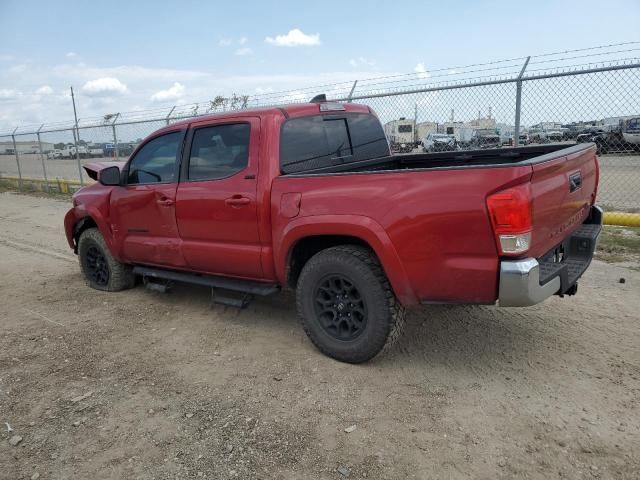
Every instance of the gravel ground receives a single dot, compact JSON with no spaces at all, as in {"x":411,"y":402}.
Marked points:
{"x":145,"y":385}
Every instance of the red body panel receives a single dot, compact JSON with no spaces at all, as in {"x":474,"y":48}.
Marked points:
{"x":557,"y":212}
{"x":429,"y":228}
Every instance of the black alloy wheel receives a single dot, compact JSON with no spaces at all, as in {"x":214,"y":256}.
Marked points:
{"x":97,"y":266}
{"x":340,"y":308}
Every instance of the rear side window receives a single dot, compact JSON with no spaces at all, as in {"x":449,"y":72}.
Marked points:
{"x":319,"y":141}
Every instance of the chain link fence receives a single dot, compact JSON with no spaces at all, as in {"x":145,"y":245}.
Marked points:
{"x":507,"y":103}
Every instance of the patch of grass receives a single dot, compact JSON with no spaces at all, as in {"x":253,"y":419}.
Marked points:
{"x":619,"y":244}
{"x":4,"y":187}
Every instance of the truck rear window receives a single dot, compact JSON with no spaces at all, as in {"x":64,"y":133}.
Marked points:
{"x":308,"y":143}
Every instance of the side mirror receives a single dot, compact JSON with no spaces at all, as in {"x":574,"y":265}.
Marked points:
{"x":109,"y":176}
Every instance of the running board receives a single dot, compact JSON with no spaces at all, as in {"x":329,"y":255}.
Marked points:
{"x":246,"y":286}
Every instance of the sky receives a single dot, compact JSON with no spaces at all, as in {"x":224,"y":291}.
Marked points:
{"x":135,"y":55}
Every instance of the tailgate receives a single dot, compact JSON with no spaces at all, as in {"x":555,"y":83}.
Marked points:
{"x":563,"y":189}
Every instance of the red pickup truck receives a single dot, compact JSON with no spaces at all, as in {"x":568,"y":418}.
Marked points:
{"x":309,"y":196}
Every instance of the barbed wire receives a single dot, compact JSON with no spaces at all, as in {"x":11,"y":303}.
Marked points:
{"x":498,"y":70}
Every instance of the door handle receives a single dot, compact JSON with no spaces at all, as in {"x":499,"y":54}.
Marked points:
{"x":237,"y":201}
{"x":166,"y":202}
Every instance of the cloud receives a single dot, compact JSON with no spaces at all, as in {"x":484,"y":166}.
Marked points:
{"x":243,"y":40}
{"x":295,"y":38}
{"x":18,"y":68}
{"x":244,"y":51}
{"x":104,"y":86}
{"x":44,"y":90}
{"x":6,"y":93}
{"x":174,"y":92}
{"x":71,"y":54}
{"x":362,"y":61}
{"x":421,"y":70}
{"x":225,"y":42}
{"x":141,"y":83}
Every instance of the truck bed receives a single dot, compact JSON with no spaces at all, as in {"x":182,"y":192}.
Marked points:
{"x":432,"y":210}
{"x":459,"y":159}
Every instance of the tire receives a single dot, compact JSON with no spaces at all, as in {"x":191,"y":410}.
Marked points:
{"x":101,"y":271}
{"x":346,"y":274}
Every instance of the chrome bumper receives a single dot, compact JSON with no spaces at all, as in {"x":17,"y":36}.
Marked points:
{"x":520,"y":280}
{"x":520,"y":284}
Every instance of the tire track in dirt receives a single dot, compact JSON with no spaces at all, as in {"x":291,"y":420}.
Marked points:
{"x":27,"y":247}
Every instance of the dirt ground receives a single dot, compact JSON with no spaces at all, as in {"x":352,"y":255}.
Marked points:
{"x":146,"y":385}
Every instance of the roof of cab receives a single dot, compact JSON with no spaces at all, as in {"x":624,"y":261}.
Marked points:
{"x":291,"y":110}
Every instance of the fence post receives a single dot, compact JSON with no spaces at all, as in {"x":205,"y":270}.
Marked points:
{"x":516,"y":133}
{"x":76,"y":136}
{"x":352,"y":90}
{"x":44,"y":168}
{"x":15,"y":152}
{"x":115,"y":138}
{"x":169,"y":116}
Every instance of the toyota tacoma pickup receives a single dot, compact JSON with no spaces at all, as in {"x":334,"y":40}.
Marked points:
{"x":308,"y":196}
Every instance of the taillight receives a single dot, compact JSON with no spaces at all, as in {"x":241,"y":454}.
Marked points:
{"x":510,"y":213}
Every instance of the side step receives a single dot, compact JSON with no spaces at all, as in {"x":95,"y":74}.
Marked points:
{"x":245,"y":286}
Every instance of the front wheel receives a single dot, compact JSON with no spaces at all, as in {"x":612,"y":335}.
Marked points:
{"x":101,"y":270}
{"x":346,"y":304}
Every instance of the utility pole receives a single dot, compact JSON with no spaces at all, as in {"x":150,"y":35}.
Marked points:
{"x":76,"y":135}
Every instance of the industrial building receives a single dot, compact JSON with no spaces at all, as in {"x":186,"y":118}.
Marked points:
{"x":7,"y":148}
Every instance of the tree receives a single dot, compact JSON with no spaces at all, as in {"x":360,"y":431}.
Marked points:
{"x":216,"y":103}
{"x":236,"y":102}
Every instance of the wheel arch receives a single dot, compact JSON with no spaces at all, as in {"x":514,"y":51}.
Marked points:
{"x":93,"y":219}
{"x":306,"y":236}
{"x":80,"y":226}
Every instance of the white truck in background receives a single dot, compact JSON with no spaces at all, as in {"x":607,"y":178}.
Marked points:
{"x":69,"y":151}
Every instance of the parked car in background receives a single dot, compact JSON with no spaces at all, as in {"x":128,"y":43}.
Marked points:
{"x":523,"y":139}
{"x":631,"y":131}
{"x":485,"y":138}
{"x":438,"y":142}
{"x":554,"y":136}
{"x":122,"y":150}
{"x":614,"y":141}
{"x":308,"y":196}
{"x":402,"y":147}
{"x":54,"y":154}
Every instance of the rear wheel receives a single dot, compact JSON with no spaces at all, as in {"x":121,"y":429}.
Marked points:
{"x":101,"y":270}
{"x":346,"y":304}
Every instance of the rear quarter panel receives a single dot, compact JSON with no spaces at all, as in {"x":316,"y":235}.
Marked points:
{"x":433,"y":222}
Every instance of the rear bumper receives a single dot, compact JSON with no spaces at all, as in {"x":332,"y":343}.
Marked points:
{"x":529,"y":281}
